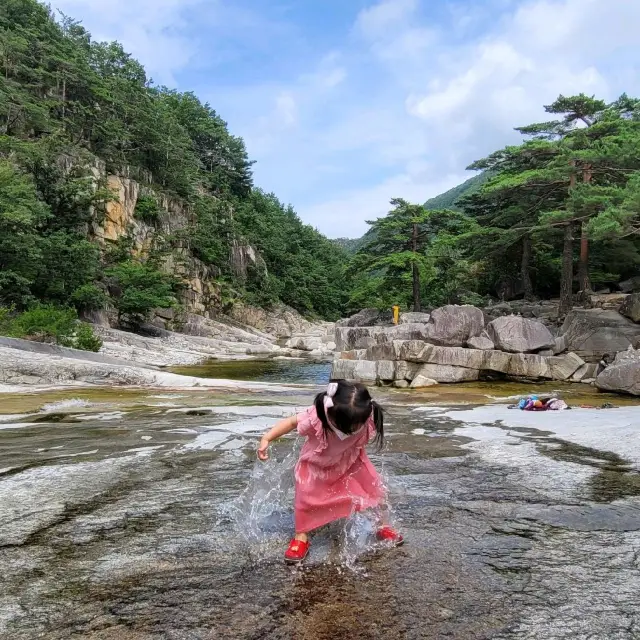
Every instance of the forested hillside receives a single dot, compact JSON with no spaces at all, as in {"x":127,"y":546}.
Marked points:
{"x":451,"y":199}
{"x":78,"y":117}
{"x":554,"y":216}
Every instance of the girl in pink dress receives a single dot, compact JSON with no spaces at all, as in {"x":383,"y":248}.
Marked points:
{"x":334,"y":477}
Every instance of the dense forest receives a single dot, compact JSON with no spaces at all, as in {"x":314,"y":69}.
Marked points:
{"x":556,"y":216}
{"x":67,"y":104}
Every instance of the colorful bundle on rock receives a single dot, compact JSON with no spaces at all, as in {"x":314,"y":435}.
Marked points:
{"x":533,"y":403}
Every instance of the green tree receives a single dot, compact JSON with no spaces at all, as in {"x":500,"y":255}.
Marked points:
{"x":138,"y":290}
{"x":404,"y":249}
{"x":21,"y":217}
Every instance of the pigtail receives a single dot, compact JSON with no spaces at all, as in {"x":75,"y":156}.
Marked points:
{"x":378,"y":421}
{"x":318,"y":403}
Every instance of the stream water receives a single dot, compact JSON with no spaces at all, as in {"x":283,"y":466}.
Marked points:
{"x":144,"y":515}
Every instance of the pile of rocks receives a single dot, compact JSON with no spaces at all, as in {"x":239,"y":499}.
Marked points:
{"x":457,"y":344}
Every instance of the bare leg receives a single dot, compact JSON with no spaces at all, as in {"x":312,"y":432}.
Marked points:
{"x":303,"y":537}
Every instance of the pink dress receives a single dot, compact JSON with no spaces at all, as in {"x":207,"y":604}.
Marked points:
{"x":334,"y":476}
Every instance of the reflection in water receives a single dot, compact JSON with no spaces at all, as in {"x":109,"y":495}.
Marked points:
{"x":280,"y":371}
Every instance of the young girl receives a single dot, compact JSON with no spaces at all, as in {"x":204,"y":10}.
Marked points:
{"x":334,"y":476}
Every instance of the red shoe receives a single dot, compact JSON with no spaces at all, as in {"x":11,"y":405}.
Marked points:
{"x":388,"y":534}
{"x":297,"y":552}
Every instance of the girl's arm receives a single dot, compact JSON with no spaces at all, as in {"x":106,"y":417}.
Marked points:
{"x":282,"y":428}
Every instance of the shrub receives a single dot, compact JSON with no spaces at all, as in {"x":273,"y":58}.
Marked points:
{"x":86,"y":339}
{"x":89,"y":297}
{"x":141,"y":289}
{"x":5,"y":320}
{"x":147,"y":209}
{"x":45,"y":323}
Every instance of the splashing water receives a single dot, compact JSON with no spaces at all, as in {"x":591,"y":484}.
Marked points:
{"x":74,"y":403}
{"x":263,"y":517}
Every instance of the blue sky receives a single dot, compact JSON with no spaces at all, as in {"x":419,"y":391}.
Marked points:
{"x":347,"y":104}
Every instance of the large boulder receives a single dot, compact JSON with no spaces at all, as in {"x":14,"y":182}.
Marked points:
{"x":631,"y":307}
{"x":531,"y":365}
{"x":421,"y":382}
{"x":413,"y":317}
{"x":453,"y":356}
{"x":406,"y":370}
{"x":367,"y":318}
{"x":453,"y":325}
{"x":592,"y":333}
{"x":305,"y":343}
{"x":348,"y":338}
{"x":482,"y":342}
{"x":632,"y":285}
{"x":447,"y":374}
{"x":361,"y":370}
{"x":519,"y":335}
{"x":623,"y":376}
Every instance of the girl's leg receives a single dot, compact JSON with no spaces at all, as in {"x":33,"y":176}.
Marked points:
{"x":303,"y":537}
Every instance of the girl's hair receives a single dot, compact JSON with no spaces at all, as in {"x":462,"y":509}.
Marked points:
{"x":352,"y":406}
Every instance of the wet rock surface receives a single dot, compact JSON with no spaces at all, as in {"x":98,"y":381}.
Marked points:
{"x":123,"y":521}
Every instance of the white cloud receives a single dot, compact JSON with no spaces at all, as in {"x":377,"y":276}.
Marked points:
{"x":152,"y":30}
{"x":286,"y":108}
{"x":463,"y":101}
{"x":341,"y":216}
{"x":414,"y":92}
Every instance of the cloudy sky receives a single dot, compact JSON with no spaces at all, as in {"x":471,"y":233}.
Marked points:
{"x":347,"y":103}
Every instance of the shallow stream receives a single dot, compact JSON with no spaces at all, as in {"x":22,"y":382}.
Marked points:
{"x":129,"y":514}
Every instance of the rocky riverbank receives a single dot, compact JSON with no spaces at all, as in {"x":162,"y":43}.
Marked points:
{"x":131,"y":515}
{"x":461,"y":344}
{"x":138,"y":360}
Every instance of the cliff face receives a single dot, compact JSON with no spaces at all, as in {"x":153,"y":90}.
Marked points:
{"x":200,"y":294}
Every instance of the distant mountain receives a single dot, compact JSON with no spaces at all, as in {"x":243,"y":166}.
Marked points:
{"x":449,"y":199}
{"x":350,"y":245}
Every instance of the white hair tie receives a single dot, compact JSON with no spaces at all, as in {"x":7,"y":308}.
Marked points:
{"x":332,"y":389}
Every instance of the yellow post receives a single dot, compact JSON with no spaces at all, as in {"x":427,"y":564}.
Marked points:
{"x":396,"y":314}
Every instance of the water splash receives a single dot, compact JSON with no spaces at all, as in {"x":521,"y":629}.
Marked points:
{"x":73,"y":403}
{"x":263,"y":517}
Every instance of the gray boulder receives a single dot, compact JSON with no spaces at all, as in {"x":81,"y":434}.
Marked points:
{"x":348,"y":338}
{"x":585,"y":372}
{"x":406,"y":370}
{"x":560,"y":345}
{"x":362,"y":370}
{"x":454,"y":356}
{"x":386,"y":370}
{"x":631,"y":307}
{"x":304,"y":343}
{"x":414,"y":317}
{"x":519,"y":335}
{"x":632,"y":285}
{"x":411,"y":350}
{"x":623,"y":376}
{"x":592,"y":333}
{"x":482,"y":342}
{"x":447,"y":374}
{"x":565,"y":366}
{"x":453,"y":325}
{"x":420,"y":382}
{"x":367,"y":318}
